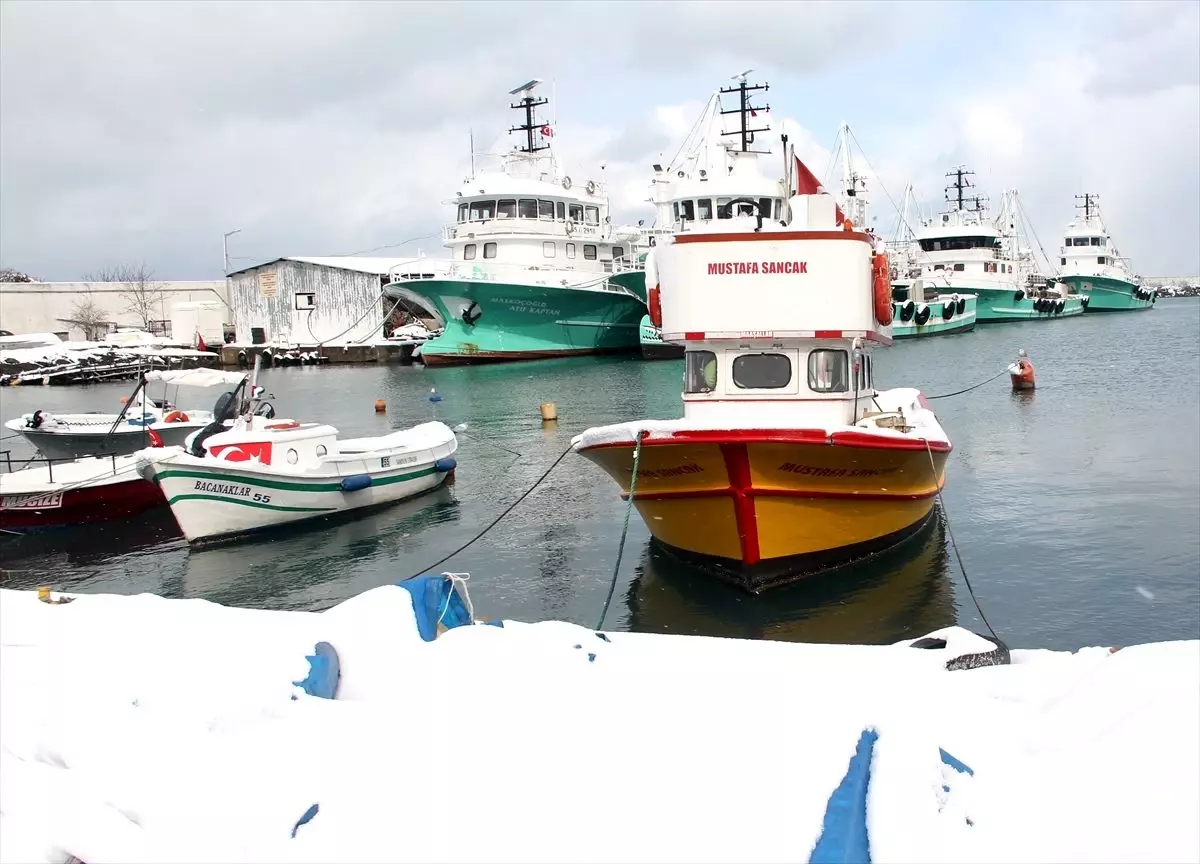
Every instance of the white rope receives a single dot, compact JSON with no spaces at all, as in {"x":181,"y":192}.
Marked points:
{"x":457,"y":579}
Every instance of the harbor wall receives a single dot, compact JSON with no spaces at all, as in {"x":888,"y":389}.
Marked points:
{"x":48,"y":307}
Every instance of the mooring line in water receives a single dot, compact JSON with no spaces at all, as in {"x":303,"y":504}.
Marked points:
{"x":1003,"y":371}
{"x":495,"y":521}
{"x":954,"y":543}
{"x":612,"y":586}
{"x":461,"y":429}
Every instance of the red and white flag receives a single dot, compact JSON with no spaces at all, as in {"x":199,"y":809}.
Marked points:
{"x":200,"y":346}
{"x":808,"y":184}
{"x":547,"y":132}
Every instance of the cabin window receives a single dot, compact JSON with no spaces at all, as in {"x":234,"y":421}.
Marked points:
{"x":689,"y":209}
{"x":828,"y":370}
{"x":700,"y":372}
{"x":762,"y":371}
{"x":1101,"y":260}
{"x":868,"y":372}
{"x":937,"y":267}
{"x":589,"y":252}
{"x":764,"y":207}
{"x":958,"y":268}
{"x":560,"y":211}
{"x":489,"y":250}
{"x":778,"y":209}
{"x":989,"y":266}
{"x":724,"y":208}
{"x":483,"y":210}
{"x":464,"y":211}
{"x":618,"y":252}
{"x":675,"y":210}
{"x":469,"y":252}
{"x":527,"y":208}
{"x":704,"y":208}
{"x":548,"y":249}
{"x":953,"y":244}
{"x":546,"y":210}
{"x":576,"y":213}
{"x":1064,"y":262}
{"x":1097,"y":241}
{"x":570,"y":250}
{"x":591,"y":215}
{"x":507,"y":209}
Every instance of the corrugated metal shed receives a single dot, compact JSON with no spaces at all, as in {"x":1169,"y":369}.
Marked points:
{"x":316,"y":301}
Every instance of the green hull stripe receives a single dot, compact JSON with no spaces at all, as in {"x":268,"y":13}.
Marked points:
{"x":257,"y":504}
{"x":281,"y":484}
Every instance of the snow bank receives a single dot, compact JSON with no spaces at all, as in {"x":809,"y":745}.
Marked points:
{"x":137,"y":729}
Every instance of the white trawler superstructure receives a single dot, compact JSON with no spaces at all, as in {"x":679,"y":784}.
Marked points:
{"x":538,"y":269}
{"x":964,"y":250}
{"x":1093,"y":267}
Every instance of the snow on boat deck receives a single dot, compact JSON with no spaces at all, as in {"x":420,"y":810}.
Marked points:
{"x":138,"y":729}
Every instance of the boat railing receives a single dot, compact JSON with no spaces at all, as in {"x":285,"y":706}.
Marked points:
{"x":6,"y":460}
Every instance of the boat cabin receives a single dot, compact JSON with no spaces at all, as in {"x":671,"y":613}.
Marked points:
{"x":1087,"y":248}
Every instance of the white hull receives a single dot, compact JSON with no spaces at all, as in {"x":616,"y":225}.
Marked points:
{"x":213,"y":498}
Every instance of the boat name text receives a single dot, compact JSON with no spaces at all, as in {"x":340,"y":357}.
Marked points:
{"x":813,"y":471}
{"x":223,"y":488}
{"x":529,"y":307}
{"x":674,"y":471}
{"x":46,"y":501}
{"x":754,"y":268}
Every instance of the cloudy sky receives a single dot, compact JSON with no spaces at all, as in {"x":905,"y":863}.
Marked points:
{"x":143,"y":131}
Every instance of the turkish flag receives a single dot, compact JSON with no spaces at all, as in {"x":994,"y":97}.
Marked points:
{"x":547,"y":131}
{"x":808,"y":184}
{"x":200,"y":345}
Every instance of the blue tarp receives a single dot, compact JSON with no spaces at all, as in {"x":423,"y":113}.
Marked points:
{"x":324,"y":671}
{"x":844,"y":832}
{"x":436,"y":602}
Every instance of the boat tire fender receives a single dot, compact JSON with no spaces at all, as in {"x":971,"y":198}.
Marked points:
{"x":355,"y":482}
{"x":922,"y":315}
{"x":1060,"y":306}
{"x":947,"y":310}
{"x":1018,"y":296}
{"x":907,"y":311}
{"x":961,"y":306}
{"x":446,"y":464}
{"x":883,"y":289}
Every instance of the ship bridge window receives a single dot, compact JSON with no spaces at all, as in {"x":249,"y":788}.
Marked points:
{"x":675,"y":210}
{"x":778,"y":209}
{"x":762,"y":371}
{"x":958,"y":268}
{"x":618,"y":252}
{"x":489,"y":250}
{"x":560,"y":211}
{"x":828,"y":370}
{"x":576,"y":213}
{"x":548,"y":249}
{"x":469,"y":252}
{"x":724,"y":208}
{"x":704,"y":208}
{"x":570,"y":250}
{"x":1097,"y":241}
{"x":507,"y":209}
{"x":589,"y":252}
{"x":527,"y":208}
{"x":699,"y":372}
{"x":483,"y":210}
{"x":464,"y":211}
{"x":956,"y":244}
{"x":687,"y":210}
{"x":764,"y":207}
{"x":546,"y":210}
{"x":591,"y":215}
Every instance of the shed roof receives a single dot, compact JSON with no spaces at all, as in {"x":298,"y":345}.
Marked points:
{"x":376,"y":266}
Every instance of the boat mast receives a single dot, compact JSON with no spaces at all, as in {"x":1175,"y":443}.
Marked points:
{"x":527,"y":104}
{"x":745,"y":110}
{"x":959,"y":187}
{"x":1091,"y":202}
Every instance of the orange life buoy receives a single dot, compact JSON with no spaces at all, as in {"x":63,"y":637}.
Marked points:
{"x":655,"y":306}
{"x":883,"y":289}
{"x":290,"y":424}
{"x":176,"y":417}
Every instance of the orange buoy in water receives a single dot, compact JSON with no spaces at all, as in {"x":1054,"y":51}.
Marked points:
{"x":380,"y":406}
{"x":1021,"y":373}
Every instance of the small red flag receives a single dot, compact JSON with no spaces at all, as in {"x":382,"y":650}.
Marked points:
{"x":200,"y":345}
{"x":547,"y":131}
{"x":808,"y":184}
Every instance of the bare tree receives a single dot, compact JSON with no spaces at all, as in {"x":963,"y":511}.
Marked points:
{"x":143,"y":294}
{"x":88,"y":316}
{"x":8,"y":274}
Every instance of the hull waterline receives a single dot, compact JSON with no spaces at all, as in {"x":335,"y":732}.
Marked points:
{"x":996,"y":306}
{"x":1108,"y":295}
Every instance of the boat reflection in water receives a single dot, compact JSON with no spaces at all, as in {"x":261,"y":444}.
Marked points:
{"x":902,"y":593}
{"x":311,"y":566}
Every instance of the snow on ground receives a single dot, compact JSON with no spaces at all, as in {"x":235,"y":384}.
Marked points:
{"x":138,"y":729}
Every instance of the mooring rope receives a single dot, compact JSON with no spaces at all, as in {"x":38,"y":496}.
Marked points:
{"x":954,"y":543}
{"x":1003,"y":371}
{"x":612,"y":585}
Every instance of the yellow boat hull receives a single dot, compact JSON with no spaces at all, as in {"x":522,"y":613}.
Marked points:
{"x":771,"y":506}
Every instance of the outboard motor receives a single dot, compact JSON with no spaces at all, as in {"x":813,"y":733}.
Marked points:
{"x":224,"y":411}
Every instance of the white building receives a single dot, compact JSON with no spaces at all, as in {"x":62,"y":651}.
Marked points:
{"x":54,"y":307}
{"x":318,"y":301}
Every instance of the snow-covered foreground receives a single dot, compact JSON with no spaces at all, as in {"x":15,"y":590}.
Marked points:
{"x":138,"y":729}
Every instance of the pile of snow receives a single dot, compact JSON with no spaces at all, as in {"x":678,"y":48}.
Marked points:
{"x":137,"y":729}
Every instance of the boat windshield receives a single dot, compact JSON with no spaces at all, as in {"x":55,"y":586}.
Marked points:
{"x":699,"y":372}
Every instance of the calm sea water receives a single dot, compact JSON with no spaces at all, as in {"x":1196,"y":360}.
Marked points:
{"x":1076,"y":508}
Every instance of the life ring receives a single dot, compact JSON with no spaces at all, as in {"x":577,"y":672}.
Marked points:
{"x":279,"y":427}
{"x":922,"y":314}
{"x":570,"y":226}
{"x":566,"y":182}
{"x":907,"y":310}
{"x":591,"y":187}
{"x":883,"y":289}
{"x":654,"y":305}
{"x":176,"y":417}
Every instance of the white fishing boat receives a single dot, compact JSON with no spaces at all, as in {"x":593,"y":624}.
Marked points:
{"x":74,"y":436}
{"x":255,"y":476}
